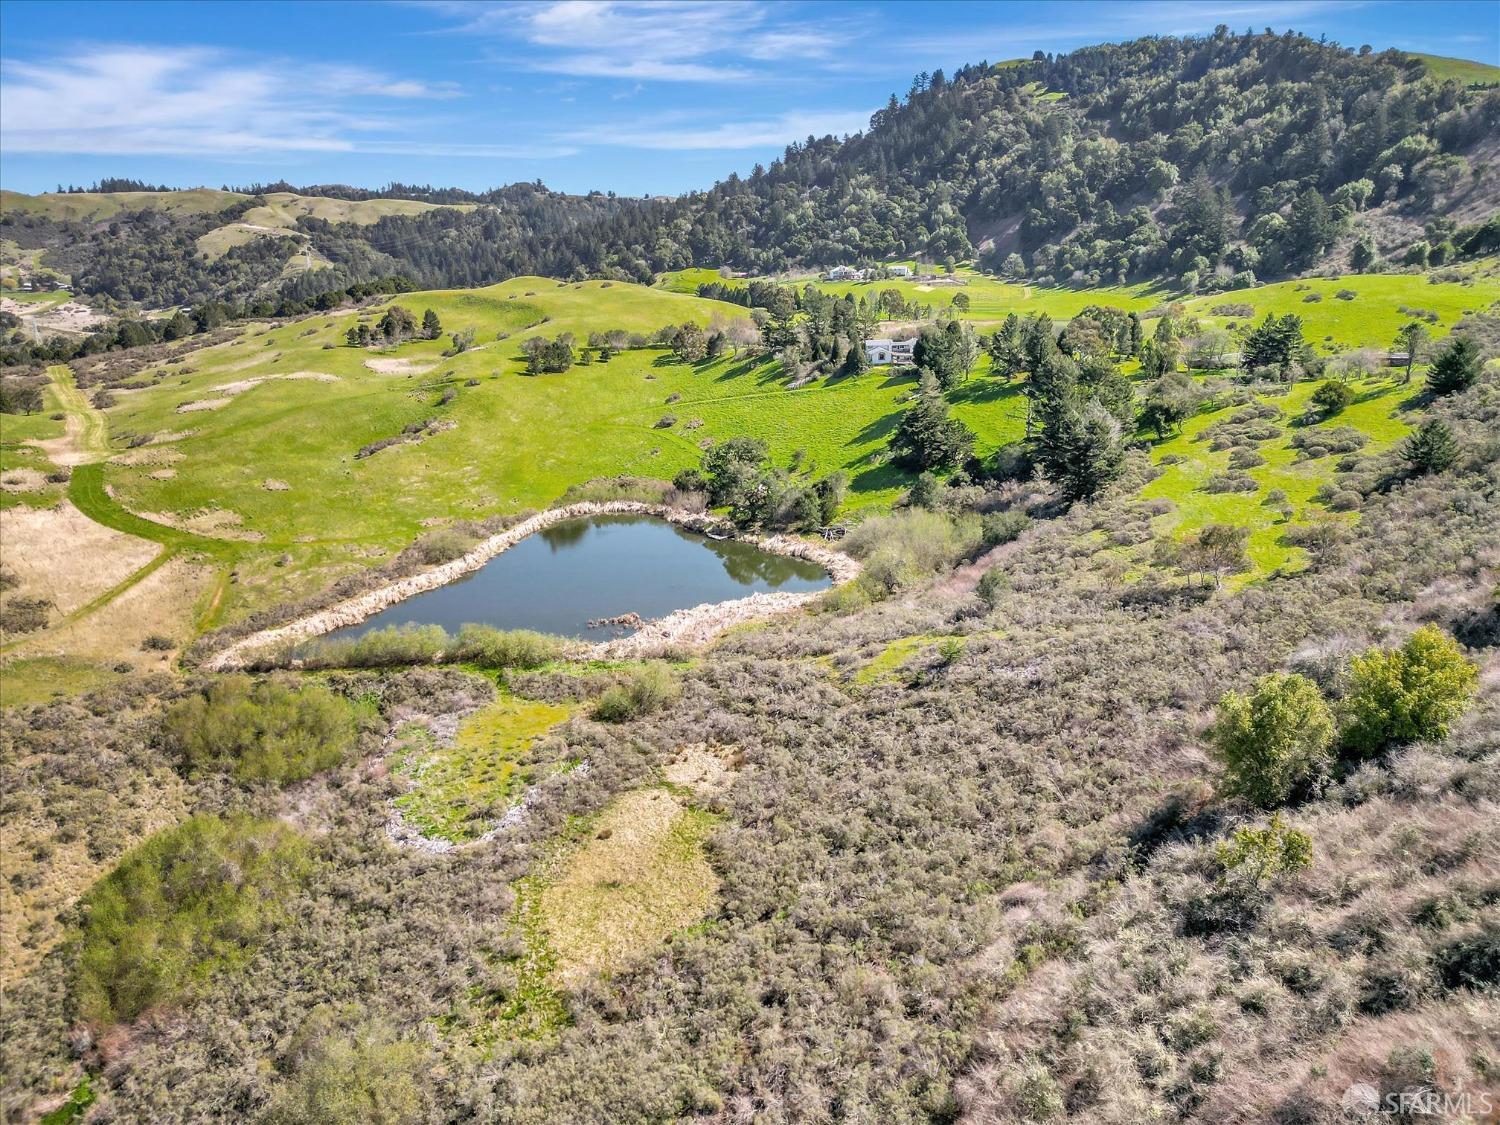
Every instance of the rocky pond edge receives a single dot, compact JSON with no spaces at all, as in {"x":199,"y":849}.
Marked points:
{"x":692,"y":626}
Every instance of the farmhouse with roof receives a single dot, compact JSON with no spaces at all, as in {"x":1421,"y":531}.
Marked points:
{"x":881,"y":351}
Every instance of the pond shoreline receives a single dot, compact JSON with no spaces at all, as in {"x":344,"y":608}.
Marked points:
{"x":695,"y":625}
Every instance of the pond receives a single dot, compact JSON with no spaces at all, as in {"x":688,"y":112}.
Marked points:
{"x":577,"y":571}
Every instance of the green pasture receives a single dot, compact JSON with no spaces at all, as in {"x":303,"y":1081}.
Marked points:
{"x":1367,"y":320}
{"x":1377,"y":412}
{"x":990,"y":298}
{"x":1465,"y":71}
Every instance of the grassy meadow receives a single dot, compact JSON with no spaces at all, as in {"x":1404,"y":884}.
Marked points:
{"x":990,"y":298}
{"x":254,"y":441}
{"x":249,"y":463}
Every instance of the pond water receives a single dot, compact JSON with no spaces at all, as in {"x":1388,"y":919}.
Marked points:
{"x":577,"y":571}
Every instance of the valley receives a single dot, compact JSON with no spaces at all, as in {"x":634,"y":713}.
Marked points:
{"x":990,"y":618}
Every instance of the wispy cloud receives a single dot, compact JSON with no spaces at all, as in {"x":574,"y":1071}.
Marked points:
{"x":674,"y":133}
{"x":127,"y":100}
{"x":652,"y":40}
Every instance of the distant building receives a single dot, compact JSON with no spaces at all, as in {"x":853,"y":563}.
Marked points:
{"x":845,"y":273}
{"x":900,"y":271}
{"x":882,"y":351}
{"x":1396,"y":359}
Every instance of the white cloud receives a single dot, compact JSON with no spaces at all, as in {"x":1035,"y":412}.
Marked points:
{"x":127,"y":100}
{"x":652,"y":40}
{"x":676,"y":134}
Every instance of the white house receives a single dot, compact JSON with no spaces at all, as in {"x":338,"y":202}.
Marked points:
{"x":845,"y":273}
{"x":900,"y":271}
{"x":881,"y":351}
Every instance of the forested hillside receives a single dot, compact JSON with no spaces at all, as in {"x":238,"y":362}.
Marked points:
{"x":1207,"y":163}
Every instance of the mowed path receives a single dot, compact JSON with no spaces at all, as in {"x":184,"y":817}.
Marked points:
{"x":84,"y":448}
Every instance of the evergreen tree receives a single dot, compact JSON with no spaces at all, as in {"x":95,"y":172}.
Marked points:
{"x":1431,"y":449}
{"x":1457,"y":369}
{"x":926,"y":437}
{"x":432,"y":328}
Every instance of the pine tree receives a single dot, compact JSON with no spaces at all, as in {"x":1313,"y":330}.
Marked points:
{"x":1431,"y":449}
{"x":1457,"y":369}
{"x":432,"y":328}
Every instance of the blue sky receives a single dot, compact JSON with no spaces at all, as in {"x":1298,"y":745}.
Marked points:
{"x":655,"y":96}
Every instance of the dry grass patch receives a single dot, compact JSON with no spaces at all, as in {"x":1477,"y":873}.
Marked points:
{"x":398,"y":366}
{"x":23,"y":480}
{"x":706,"y":770}
{"x":216,"y":523}
{"x":62,"y":555}
{"x":162,"y":604}
{"x":641,"y":877}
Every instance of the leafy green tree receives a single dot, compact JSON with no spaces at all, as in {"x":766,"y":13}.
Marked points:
{"x":432,"y":327}
{"x":689,"y":344}
{"x":732,"y":467}
{"x":1431,"y":449}
{"x":1006,"y":348}
{"x":926,"y":437}
{"x":1273,"y":742}
{"x":1332,"y":396}
{"x":1218,"y":549}
{"x":1311,"y":226}
{"x":1405,"y":694}
{"x":1169,"y":402}
{"x":1411,"y":338}
{"x":1275,"y":342}
{"x":1259,"y":854}
{"x":1456,"y":369}
{"x":948,"y":351}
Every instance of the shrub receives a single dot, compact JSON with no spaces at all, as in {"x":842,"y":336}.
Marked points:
{"x":24,"y":615}
{"x":1003,"y":527}
{"x":908,"y":546}
{"x":379,"y":648}
{"x":990,"y":585}
{"x":158,"y":642}
{"x":363,"y":1074}
{"x":1332,"y":396}
{"x":1413,"y":692}
{"x":644,"y":690}
{"x":1231,"y":482}
{"x":1259,"y":854}
{"x":1472,"y":960}
{"x":261,"y":732}
{"x":187,"y":902}
{"x":499,"y":648}
{"x":1274,"y":741}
